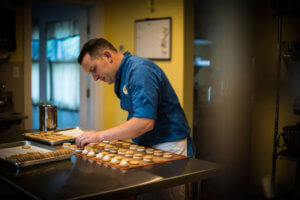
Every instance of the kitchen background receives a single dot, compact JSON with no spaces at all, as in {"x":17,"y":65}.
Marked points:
{"x":223,"y":68}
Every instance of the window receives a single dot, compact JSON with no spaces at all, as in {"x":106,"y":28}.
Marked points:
{"x":63,"y":71}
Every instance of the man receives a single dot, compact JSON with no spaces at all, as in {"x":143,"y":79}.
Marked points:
{"x":155,"y":117}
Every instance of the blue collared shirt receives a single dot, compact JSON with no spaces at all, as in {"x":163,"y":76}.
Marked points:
{"x":145,"y":91}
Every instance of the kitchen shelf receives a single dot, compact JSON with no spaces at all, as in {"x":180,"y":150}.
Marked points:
{"x":287,"y":155}
{"x":281,"y":11}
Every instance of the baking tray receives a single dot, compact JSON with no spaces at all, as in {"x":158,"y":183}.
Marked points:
{"x":12,"y":148}
{"x":53,"y":143}
{"x":156,"y":159}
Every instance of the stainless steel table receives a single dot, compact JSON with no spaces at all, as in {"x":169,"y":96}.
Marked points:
{"x":82,"y":178}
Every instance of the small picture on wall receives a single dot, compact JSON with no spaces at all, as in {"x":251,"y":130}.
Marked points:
{"x":153,"y":38}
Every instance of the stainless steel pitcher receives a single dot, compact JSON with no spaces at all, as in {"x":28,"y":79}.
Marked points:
{"x":48,"y":117}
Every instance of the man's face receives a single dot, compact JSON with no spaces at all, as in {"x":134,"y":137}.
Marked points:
{"x":99,"y":68}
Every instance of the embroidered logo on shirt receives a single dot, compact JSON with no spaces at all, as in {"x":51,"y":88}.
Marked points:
{"x":125,"y":90}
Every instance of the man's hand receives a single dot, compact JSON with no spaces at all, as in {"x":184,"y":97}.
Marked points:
{"x":130,"y":129}
{"x":87,"y":137}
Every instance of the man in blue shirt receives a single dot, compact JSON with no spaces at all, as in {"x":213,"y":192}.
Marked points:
{"x":155,"y":116}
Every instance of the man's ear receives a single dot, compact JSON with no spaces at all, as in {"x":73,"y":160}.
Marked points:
{"x":108,"y":55}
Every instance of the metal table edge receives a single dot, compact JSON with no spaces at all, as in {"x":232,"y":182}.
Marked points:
{"x":127,"y":191}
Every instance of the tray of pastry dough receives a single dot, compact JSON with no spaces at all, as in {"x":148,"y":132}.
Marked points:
{"x":56,"y":137}
{"x":27,"y":153}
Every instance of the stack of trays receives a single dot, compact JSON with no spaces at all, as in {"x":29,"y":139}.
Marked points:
{"x":27,"y":153}
{"x":50,"y":137}
{"x":37,"y":149}
{"x":54,"y":137}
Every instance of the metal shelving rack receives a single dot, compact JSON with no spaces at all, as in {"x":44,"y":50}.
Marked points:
{"x":283,"y":154}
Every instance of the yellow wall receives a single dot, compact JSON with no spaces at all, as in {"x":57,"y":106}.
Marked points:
{"x":17,"y":55}
{"x":119,"y":29}
{"x":188,"y":56}
{"x":15,"y":85}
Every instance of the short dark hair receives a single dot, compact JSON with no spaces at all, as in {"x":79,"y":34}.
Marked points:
{"x":94,"y":47}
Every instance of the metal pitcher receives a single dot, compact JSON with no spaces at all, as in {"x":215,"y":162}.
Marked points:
{"x":48,"y":117}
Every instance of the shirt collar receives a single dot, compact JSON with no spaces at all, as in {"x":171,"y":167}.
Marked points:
{"x":120,"y":72}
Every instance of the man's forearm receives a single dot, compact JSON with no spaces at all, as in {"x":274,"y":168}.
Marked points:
{"x":130,"y":129}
